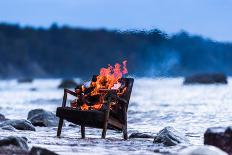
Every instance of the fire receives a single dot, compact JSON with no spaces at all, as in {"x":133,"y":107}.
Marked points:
{"x":106,"y":80}
{"x":108,"y":77}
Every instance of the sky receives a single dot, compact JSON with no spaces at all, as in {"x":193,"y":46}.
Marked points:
{"x":209,"y":18}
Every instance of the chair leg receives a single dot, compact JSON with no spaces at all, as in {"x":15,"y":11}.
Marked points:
{"x":82,"y":131}
{"x":104,"y":130}
{"x":107,"y":113}
{"x":125,"y":136}
{"x":60,"y":125}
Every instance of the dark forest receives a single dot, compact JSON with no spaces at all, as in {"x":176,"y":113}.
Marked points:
{"x":62,"y":51}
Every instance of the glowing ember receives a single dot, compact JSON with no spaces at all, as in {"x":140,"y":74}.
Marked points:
{"x":108,"y":79}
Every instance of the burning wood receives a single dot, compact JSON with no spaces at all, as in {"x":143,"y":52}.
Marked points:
{"x":109,"y":81}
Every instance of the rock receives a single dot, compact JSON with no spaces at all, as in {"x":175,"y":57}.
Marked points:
{"x":202,"y":150}
{"x":170,"y":137}
{"x":41,"y":151}
{"x":25,"y":80}
{"x":41,"y":117}
{"x":220,"y":137}
{"x":12,"y":150}
{"x":67,"y":84}
{"x":2,"y":118}
{"x":20,"y":142}
{"x":140,"y":135}
{"x":8,"y":127}
{"x":207,"y":78}
{"x":20,"y":124}
{"x":33,"y":89}
{"x":228,"y":131}
{"x":73,"y":125}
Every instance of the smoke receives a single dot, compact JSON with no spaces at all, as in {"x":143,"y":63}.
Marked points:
{"x":164,"y":65}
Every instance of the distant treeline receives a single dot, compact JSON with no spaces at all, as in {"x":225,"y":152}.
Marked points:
{"x":77,"y":52}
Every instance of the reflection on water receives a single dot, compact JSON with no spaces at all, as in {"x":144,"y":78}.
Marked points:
{"x":155,"y":103}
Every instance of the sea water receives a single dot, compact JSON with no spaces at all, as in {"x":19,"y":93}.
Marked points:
{"x":155,"y":104}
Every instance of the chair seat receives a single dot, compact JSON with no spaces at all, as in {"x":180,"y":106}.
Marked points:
{"x":88,"y":118}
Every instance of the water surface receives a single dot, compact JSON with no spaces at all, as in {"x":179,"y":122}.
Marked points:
{"x":155,"y":104}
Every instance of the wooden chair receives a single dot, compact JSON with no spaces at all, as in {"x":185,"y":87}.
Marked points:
{"x":95,"y":118}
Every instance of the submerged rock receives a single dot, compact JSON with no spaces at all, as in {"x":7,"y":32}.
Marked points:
{"x":41,"y":151}
{"x":25,"y":80}
{"x":220,"y":137}
{"x":20,"y":142}
{"x":33,"y":89}
{"x":73,"y":125}
{"x":67,"y":84}
{"x":170,"y":137}
{"x":41,"y":117}
{"x":207,"y":78}
{"x":20,"y":124}
{"x":140,"y":135}
{"x":202,"y":150}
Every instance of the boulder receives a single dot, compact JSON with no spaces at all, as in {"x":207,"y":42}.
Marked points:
{"x":8,"y":127}
{"x":67,"y":84}
{"x":2,"y":118}
{"x":20,"y":124}
{"x":220,"y":137}
{"x":202,"y":150}
{"x":170,"y":137}
{"x":20,"y":142}
{"x":228,"y":131}
{"x":12,"y":150}
{"x":140,"y":135}
{"x":41,"y":117}
{"x":41,"y":151}
{"x":207,"y":78}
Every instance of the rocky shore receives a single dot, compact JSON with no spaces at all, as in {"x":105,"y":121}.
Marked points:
{"x":36,"y":135}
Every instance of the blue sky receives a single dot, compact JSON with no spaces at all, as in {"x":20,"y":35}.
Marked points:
{"x":210,"y":18}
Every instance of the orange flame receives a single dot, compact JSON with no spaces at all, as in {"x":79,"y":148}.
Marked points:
{"x":107,"y":78}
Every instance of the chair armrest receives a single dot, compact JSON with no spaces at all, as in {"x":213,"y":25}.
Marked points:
{"x":70,"y":92}
{"x":66,"y":92}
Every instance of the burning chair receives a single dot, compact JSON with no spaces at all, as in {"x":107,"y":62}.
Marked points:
{"x":104,"y":105}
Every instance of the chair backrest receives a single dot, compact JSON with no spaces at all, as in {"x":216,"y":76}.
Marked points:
{"x":126,"y":96}
{"x":129,"y":84}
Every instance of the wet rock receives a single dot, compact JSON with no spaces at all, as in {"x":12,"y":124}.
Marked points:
{"x":20,"y":124}
{"x":170,"y":137}
{"x":8,"y":127}
{"x":20,"y":142}
{"x":33,"y":89}
{"x":2,"y":118}
{"x":41,"y":151}
{"x":25,"y":80}
{"x":12,"y":150}
{"x":140,"y":135}
{"x":73,"y":125}
{"x":220,"y":137}
{"x":41,"y":117}
{"x":207,"y":78}
{"x":67,"y":84}
{"x":228,"y":131}
{"x":202,"y":150}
